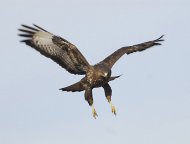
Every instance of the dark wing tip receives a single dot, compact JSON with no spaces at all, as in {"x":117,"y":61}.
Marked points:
{"x":35,"y":28}
{"x":160,"y":39}
{"x":29,"y":27}
{"x":157,"y":43}
{"x":24,"y":41}
{"x":26,"y":31}
{"x":40,"y":27}
{"x":25,"y":35}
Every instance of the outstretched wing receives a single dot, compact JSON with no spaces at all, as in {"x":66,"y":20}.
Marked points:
{"x":58,"y":49}
{"x":112,"y":59}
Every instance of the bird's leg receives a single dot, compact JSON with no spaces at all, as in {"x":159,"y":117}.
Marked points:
{"x":112,"y":107}
{"x":108,"y":93}
{"x":111,"y":104}
{"x":89,"y":99}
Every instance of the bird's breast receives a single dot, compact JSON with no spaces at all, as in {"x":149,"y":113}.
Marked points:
{"x":94,"y":80}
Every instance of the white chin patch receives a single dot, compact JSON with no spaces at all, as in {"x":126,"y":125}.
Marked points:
{"x":105,"y":74}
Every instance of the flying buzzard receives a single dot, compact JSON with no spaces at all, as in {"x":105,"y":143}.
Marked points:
{"x":70,"y":58}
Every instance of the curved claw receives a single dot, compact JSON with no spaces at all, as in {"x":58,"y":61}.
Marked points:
{"x":113,"y":108}
{"x":94,"y":112}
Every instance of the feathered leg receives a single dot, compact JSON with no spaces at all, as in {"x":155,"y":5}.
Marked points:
{"x":108,"y":94}
{"x":89,"y":99}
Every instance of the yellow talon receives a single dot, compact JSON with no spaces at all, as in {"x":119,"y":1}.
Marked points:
{"x":113,"y":108}
{"x":94,"y":112}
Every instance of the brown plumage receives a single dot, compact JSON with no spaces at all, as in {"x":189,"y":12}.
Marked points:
{"x":70,"y":58}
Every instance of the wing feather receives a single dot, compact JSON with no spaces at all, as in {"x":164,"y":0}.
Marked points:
{"x":58,"y":49}
{"x":112,"y":59}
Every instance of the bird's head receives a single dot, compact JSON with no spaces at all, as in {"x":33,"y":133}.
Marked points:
{"x":103,"y":72}
{"x":106,"y":74}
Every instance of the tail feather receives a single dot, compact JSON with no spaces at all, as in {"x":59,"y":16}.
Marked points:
{"x":77,"y":87}
{"x":114,"y":77}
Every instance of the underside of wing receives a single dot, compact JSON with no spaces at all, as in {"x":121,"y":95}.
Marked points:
{"x":56,"y":48}
{"x":112,"y":59}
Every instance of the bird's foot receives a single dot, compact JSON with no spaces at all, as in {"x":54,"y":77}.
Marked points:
{"x":94,"y":112}
{"x":113,"y":108}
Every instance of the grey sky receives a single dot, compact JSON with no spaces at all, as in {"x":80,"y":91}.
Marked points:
{"x":152,"y":97}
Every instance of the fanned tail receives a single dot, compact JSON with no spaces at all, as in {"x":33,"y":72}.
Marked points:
{"x":77,"y":87}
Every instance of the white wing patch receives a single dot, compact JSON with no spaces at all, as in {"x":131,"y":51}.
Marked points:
{"x":42,"y":38}
{"x":44,"y":41}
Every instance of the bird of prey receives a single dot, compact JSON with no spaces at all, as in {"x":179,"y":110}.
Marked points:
{"x":70,"y":58}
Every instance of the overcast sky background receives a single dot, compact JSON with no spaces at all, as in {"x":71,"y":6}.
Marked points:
{"x":152,"y":97}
